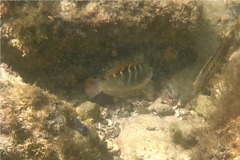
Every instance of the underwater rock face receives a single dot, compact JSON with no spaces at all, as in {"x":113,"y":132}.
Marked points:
{"x":68,"y":42}
{"x":35,"y":124}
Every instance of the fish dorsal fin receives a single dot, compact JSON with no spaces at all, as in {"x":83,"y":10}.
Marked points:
{"x":119,"y":69}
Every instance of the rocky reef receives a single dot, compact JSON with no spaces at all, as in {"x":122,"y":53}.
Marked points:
{"x":38,"y":125}
{"x":49,"y":48}
{"x":60,"y":44}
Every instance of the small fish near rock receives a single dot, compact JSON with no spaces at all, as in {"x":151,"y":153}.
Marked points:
{"x":124,"y":80}
{"x":80,"y":127}
{"x":216,"y":61}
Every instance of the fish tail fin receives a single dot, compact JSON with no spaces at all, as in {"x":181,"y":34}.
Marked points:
{"x":91,"y":87}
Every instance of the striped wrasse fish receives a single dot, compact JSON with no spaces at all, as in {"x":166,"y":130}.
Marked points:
{"x":120,"y":81}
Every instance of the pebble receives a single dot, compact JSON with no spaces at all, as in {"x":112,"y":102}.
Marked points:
{"x":115,"y":149}
{"x":109,"y":122}
{"x":101,"y":135}
{"x":159,"y":105}
{"x":184,"y":111}
{"x":103,"y":113}
{"x":109,"y":143}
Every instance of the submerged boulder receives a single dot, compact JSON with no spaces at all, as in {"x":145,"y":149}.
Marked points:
{"x":38,"y":125}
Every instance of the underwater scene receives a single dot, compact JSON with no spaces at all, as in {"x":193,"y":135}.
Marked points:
{"x":120,"y":80}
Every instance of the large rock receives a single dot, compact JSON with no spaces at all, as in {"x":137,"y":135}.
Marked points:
{"x":205,"y":106}
{"x":148,"y":137}
{"x":37,"y":125}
